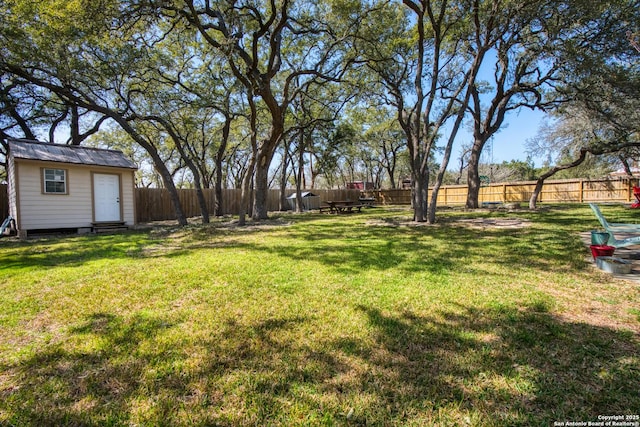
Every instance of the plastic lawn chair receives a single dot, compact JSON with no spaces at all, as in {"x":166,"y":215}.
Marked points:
{"x":616,"y":228}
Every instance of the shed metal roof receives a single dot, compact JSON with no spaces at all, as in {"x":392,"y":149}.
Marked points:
{"x":74,"y":154}
{"x":303,"y":194}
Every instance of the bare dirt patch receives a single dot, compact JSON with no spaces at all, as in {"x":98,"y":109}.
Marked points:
{"x":483,"y":223}
{"x":477,"y":223}
{"x":224,"y":223}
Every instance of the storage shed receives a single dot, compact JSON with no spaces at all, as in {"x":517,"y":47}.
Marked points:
{"x":66,"y":187}
{"x":309,"y":201}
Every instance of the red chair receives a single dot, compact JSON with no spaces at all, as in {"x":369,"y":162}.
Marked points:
{"x":636,"y":194}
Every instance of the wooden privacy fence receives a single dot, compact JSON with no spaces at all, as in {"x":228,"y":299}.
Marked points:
{"x":558,"y":191}
{"x":4,"y":202}
{"x":153,"y":204}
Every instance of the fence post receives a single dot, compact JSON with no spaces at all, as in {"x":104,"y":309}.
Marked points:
{"x":581,"y":197}
{"x":153,"y":204}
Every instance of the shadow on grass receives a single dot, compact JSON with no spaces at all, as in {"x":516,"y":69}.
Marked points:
{"x":436,"y":249}
{"x":78,"y":250}
{"x":71,"y":251}
{"x":163,"y":241}
{"x":506,"y":366}
{"x":499,"y":366}
{"x":58,"y":386}
{"x":339,"y":241}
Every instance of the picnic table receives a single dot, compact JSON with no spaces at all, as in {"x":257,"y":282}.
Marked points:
{"x":342,"y":206}
{"x":367,"y":201}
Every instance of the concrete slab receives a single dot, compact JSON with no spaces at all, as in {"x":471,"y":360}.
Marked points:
{"x":630,"y":253}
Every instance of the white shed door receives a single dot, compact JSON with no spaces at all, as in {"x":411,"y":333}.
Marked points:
{"x":106,"y":197}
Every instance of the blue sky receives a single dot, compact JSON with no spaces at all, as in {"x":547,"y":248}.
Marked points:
{"x":509,"y":143}
{"x":519,"y":126}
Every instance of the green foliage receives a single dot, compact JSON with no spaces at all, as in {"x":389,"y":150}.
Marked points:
{"x":137,"y":59}
{"x":518,"y":170}
{"x":601,"y":75}
{"x":337,"y":148}
{"x":594,"y":167}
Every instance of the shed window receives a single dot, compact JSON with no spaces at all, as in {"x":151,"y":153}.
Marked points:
{"x":55,"y":181}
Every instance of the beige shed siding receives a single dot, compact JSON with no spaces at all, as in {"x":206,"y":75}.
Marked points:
{"x":72,"y":210}
{"x":128,"y":200}
{"x":13,"y":206}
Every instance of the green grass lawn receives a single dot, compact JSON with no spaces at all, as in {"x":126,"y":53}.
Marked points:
{"x":311,"y":319}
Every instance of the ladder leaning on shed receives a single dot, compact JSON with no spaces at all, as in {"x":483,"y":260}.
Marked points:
{"x":5,"y":224}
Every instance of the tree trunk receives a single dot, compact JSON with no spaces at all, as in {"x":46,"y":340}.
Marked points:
{"x":218,"y":209}
{"x":473,"y":176}
{"x":431,"y":216}
{"x":391,"y":170}
{"x":204,"y":209}
{"x":167,"y":180}
{"x":300,"y":174}
{"x":536,"y":192}
{"x":419,"y":194}
{"x":245,"y":193}
{"x":284,"y":203}
{"x":158,"y":163}
{"x":226,"y":129}
{"x":261,"y":186}
{"x":177,"y":140}
{"x":444,"y":164}
{"x":625,"y":165}
{"x":263,"y":156}
{"x":75,"y":125}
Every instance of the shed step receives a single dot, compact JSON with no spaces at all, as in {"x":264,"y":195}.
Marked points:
{"x":110,"y":227}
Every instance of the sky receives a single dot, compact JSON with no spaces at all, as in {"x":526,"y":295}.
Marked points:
{"x":519,"y":126}
{"x":506,"y":145}
{"x":510,"y":142}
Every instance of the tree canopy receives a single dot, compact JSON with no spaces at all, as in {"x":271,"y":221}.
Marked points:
{"x":230,"y":93}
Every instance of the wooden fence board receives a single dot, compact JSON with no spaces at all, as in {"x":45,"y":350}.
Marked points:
{"x":560,"y":191}
{"x":4,"y":202}
{"x":154,"y":204}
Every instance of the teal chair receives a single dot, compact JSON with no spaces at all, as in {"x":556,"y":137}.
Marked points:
{"x":617,"y":228}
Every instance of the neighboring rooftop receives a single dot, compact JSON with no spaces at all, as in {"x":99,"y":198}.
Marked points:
{"x":35,"y":150}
